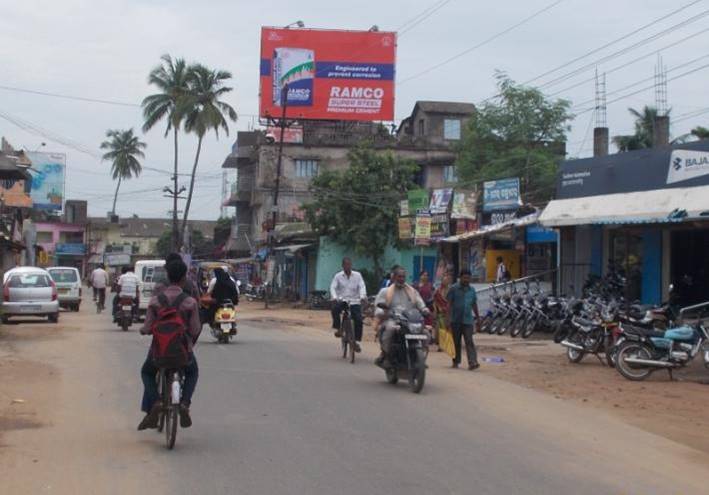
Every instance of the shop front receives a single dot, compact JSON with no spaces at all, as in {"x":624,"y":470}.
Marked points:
{"x":644,"y":214}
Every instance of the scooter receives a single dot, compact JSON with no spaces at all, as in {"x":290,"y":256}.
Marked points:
{"x":224,"y":325}
{"x":125,"y":313}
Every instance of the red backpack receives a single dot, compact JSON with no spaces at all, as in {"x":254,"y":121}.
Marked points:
{"x":169,"y":347}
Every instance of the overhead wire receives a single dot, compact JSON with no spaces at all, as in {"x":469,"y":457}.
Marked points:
{"x":423,"y":16}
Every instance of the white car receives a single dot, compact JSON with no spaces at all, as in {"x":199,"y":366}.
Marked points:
{"x":29,"y":291}
{"x":148,"y":272}
{"x":68,"y":283}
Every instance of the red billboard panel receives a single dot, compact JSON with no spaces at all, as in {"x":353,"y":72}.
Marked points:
{"x":331,"y":75}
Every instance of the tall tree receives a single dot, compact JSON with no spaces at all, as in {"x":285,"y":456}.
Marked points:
{"x":519,"y":133}
{"x":369,"y":190}
{"x":204,"y":111}
{"x":123,"y":151}
{"x":170,"y":78}
{"x":700,"y":132}
{"x":644,"y":126}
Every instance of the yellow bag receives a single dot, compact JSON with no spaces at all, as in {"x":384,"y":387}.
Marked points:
{"x":445,"y":341}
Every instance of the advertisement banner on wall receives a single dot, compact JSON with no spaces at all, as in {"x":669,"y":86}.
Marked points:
{"x":404,"y":208}
{"x":405,"y":228}
{"x":464,"y":205}
{"x":440,"y":198}
{"x":48,"y":180}
{"x":439,"y":226}
{"x":501,"y":194}
{"x":291,"y":135}
{"x":331,"y":74}
{"x":418,"y":200}
{"x":423,"y":229}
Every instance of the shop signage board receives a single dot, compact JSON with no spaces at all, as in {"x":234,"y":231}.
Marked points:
{"x":404,"y":208}
{"x":405,"y":228}
{"x":440,"y":198}
{"x":47,"y":180}
{"x":687,"y":164}
{"x":331,"y":74}
{"x":423,"y":229}
{"x":418,"y":200}
{"x":500,"y":195}
{"x":291,"y":135}
{"x":439,"y":226}
{"x":464,"y":205}
{"x":70,"y":249}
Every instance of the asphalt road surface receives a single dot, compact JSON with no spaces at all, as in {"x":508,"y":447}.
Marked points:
{"x":278,"y":412}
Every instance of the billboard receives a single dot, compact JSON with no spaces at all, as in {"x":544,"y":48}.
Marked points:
{"x":48,"y":180}
{"x":499,"y":195}
{"x":331,"y":75}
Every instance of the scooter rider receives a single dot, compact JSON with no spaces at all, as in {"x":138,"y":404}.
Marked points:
{"x":348,"y":287}
{"x":398,"y":297}
{"x":127,"y":286}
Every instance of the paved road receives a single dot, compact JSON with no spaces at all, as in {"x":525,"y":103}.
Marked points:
{"x":277,"y":412}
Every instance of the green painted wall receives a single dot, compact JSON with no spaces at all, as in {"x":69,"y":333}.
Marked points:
{"x":330,"y":254}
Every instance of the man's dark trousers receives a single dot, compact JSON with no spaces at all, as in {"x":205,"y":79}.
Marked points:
{"x":149,"y":372}
{"x":466,"y":332}
{"x":355,"y":314}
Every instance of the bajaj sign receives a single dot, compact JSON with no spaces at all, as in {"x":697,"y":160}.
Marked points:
{"x":686,"y":164}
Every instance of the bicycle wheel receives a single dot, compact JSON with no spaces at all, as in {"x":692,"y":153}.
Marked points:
{"x":351,"y":338}
{"x":171,"y":418}
{"x":346,"y":330}
{"x":162,"y":399}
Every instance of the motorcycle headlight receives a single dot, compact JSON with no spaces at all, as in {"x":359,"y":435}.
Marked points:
{"x":415,"y":327}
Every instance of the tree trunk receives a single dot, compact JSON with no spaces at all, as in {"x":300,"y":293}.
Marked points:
{"x":189,"y":194}
{"x":115,"y":196}
{"x":175,"y":232}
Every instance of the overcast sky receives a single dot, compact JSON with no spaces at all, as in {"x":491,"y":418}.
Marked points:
{"x":105,"y":49}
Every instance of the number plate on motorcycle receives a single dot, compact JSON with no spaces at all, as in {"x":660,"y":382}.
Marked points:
{"x":416,"y":337}
{"x":226,"y":326}
{"x":127,"y":308}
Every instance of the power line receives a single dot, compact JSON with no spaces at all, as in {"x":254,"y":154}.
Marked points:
{"x":483,"y":43}
{"x":606,"y":45}
{"x":422,"y":17}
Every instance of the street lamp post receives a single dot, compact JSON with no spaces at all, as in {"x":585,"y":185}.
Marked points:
{"x":274,"y":212}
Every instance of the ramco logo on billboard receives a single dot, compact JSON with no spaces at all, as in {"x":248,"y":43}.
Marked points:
{"x":686,"y":164}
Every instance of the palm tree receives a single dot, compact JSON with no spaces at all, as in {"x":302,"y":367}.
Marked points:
{"x":171,"y":80}
{"x":203,"y":111}
{"x":644,"y":126}
{"x":700,"y":132}
{"x":124,"y":149}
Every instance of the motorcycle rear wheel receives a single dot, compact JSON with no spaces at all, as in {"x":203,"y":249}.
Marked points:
{"x":517,"y":326}
{"x":530,"y":326}
{"x":633,"y":372}
{"x":504,"y":325}
{"x":392,"y":376}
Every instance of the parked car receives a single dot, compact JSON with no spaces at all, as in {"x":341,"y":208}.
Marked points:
{"x":148,"y":272}
{"x":68,"y":283}
{"x":29,"y":291}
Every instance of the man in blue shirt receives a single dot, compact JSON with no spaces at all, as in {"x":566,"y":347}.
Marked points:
{"x":463,"y":303}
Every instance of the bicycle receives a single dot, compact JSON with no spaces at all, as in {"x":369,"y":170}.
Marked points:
{"x":170,"y":384}
{"x":101,"y":301}
{"x":347,"y":337}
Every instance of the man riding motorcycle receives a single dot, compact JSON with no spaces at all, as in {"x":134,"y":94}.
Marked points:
{"x":348,"y":287}
{"x":127,"y":287}
{"x":398,"y":297}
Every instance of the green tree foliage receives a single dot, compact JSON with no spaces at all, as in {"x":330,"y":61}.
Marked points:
{"x":222,"y":231}
{"x":358,"y":207}
{"x":202,"y":248}
{"x":519,"y":133}
{"x":123,"y":150}
{"x":700,"y":132}
{"x":643,"y":136}
{"x":164,"y":245}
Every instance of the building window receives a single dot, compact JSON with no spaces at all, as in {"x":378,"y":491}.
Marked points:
{"x":45,"y":237}
{"x":450,"y":174}
{"x":451,"y":129}
{"x":306,"y":168}
{"x":422,"y":127}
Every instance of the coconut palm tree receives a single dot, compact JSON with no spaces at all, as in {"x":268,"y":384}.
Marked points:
{"x":124,"y":150}
{"x":204,"y":111}
{"x":170,"y":78}
{"x":644,"y":125}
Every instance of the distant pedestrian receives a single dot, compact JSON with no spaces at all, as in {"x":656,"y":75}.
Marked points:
{"x":503,"y":274}
{"x":441,"y":307}
{"x":463,"y":305}
{"x":425,"y":290}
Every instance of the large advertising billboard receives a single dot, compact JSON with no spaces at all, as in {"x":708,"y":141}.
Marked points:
{"x":48,"y":180}
{"x":331,"y":75}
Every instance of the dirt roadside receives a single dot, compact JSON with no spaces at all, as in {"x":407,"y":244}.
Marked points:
{"x":677,"y":410}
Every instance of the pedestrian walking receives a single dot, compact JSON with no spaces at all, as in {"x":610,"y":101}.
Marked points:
{"x":425,"y":289}
{"x":463,"y":305}
{"x":503,"y":274}
{"x":440,"y":309}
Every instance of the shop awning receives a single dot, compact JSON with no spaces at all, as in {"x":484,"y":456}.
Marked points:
{"x":292,"y":248}
{"x":9,"y":170}
{"x":491,"y":229}
{"x":657,"y":206}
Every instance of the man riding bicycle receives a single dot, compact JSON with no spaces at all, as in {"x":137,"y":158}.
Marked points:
{"x":188,"y":309}
{"x":127,"y":288}
{"x":99,"y":282}
{"x":348,"y":287}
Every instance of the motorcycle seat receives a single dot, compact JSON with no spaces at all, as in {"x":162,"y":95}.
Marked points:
{"x":648,"y":332}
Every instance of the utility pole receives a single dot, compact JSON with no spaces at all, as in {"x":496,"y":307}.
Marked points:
{"x":274,"y":212}
{"x":174,"y":193}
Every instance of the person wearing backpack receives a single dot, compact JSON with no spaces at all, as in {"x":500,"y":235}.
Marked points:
{"x":173,"y":321}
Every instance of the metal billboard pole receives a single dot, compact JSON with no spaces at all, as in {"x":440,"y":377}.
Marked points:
{"x":274,"y":212}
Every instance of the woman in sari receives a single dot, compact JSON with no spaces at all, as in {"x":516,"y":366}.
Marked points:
{"x":440,"y":307}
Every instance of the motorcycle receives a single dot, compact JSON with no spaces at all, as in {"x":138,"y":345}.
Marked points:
{"x":223,"y":327}
{"x":255,"y":292}
{"x":125,"y":313}
{"x":409,"y":349}
{"x":595,"y":335}
{"x":645,"y":351}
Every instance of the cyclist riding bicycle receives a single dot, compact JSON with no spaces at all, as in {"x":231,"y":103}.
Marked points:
{"x":176,"y":271}
{"x":348,"y":287}
{"x":99,"y":282}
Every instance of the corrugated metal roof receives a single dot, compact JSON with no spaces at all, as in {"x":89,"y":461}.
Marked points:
{"x":658,"y":206}
{"x":491,"y":229}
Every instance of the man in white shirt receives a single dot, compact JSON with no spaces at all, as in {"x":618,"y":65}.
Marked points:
{"x":502,"y":274}
{"x":347,"y":288}
{"x":127,"y":287}
{"x":99,"y":282}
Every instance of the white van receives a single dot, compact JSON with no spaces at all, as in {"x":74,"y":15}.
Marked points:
{"x":148,"y":272}
{"x":68,"y":282}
